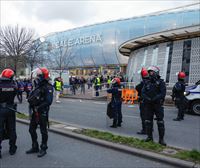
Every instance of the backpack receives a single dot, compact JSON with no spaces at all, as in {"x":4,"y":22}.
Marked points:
{"x":110,"y":111}
{"x":34,"y":97}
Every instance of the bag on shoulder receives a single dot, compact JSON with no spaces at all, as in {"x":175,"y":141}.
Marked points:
{"x":109,"y":110}
{"x":34,"y":97}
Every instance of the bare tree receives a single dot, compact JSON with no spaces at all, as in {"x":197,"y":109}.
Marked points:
{"x":59,"y":57}
{"x":15,"y":42}
{"x":35,"y":56}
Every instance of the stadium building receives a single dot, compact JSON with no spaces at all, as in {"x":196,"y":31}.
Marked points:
{"x":169,"y":39}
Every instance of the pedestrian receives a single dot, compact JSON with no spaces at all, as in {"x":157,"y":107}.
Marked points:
{"x":28,"y":87}
{"x":144,"y":76}
{"x":116,"y":102}
{"x":58,"y":88}
{"x":8,"y":91}
{"x":82,"y":83}
{"x":153,"y":94}
{"x":178,"y":96}
{"x":97,"y":84}
{"x":20,"y":90}
{"x":89,"y":82}
{"x":108,"y":81}
{"x":40,"y":100}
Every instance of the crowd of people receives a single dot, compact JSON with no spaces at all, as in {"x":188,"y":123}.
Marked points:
{"x":96,"y":82}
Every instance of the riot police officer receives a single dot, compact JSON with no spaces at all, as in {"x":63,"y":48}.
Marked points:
{"x":178,"y":96}
{"x":40,"y":100}
{"x":116,"y":102}
{"x":153,"y":93}
{"x":145,"y":76}
{"x":8,"y":91}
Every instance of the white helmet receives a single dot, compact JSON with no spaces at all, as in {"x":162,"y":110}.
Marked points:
{"x":155,"y":69}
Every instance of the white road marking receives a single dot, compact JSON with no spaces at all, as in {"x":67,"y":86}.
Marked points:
{"x":99,"y":102}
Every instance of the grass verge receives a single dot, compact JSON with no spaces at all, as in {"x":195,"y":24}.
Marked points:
{"x":192,"y":155}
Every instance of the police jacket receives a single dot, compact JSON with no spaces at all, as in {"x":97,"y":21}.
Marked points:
{"x":42,"y":96}
{"x":139,"y":90}
{"x":154,"y":91}
{"x":116,"y":94}
{"x":8,"y":91}
{"x":178,"y":90}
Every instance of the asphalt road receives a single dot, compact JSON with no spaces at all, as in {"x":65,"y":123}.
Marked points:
{"x":68,"y":152}
{"x":91,"y":114}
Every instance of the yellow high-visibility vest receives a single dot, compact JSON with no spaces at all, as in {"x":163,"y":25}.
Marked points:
{"x":98,"y":83}
{"x":58,"y":85}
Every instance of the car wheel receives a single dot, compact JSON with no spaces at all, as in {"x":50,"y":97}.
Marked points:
{"x":195,"y":107}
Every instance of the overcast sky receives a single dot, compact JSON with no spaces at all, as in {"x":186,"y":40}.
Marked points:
{"x":52,"y":16}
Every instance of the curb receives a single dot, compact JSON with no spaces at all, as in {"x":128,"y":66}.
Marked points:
{"x":121,"y":148}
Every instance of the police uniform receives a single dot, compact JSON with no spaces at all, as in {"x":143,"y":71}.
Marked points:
{"x":178,"y":96}
{"x":8,"y":91}
{"x":153,"y":93}
{"x":141,"y":106}
{"x":116,"y":104}
{"x":40,"y":100}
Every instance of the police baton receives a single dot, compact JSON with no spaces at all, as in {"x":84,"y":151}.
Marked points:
{"x":15,"y":110}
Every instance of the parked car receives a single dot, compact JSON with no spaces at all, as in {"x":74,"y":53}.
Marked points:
{"x":192,"y":94}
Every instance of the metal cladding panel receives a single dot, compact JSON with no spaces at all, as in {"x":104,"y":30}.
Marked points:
{"x":176,"y":64}
{"x":162,"y":59}
{"x":195,"y":61}
{"x":139,"y":59}
{"x":149,"y":56}
{"x":130,"y":65}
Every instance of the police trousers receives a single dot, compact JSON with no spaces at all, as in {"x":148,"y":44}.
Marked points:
{"x":152,"y":109}
{"x":8,"y":122}
{"x":117,"y":111}
{"x":40,"y":119}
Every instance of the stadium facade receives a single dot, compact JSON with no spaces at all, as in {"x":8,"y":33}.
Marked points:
{"x":169,"y":39}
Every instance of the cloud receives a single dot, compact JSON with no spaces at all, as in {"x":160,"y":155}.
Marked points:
{"x":72,"y":11}
{"x":53,"y":16}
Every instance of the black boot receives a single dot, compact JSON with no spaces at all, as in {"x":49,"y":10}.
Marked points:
{"x":41,"y":153}
{"x":177,"y":119}
{"x":161,"y":131}
{"x":12,"y":149}
{"x":114,"y":125}
{"x":143,"y":131}
{"x":43,"y":148}
{"x":149,"y":127}
{"x":34,"y":149}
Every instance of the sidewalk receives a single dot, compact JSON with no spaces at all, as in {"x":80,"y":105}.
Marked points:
{"x":90,"y":95}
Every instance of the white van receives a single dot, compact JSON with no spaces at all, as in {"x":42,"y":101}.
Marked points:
{"x":192,"y":94}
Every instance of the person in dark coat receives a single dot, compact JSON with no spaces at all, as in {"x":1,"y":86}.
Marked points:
{"x":178,"y":96}
{"x":8,"y":91}
{"x":116,"y":102}
{"x":153,"y":94}
{"x":145,"y":76}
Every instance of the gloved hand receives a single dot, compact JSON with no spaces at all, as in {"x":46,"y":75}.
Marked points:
{"x":148,"y":99}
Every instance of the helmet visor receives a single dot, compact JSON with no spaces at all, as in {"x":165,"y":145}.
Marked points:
{"x":36,"y":73}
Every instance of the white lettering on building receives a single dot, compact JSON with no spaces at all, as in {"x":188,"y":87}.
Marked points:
{"x":79,"y":41}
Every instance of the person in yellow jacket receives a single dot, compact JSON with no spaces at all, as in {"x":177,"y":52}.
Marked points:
{"x":97,"y":84}
{"x":58,"y":85}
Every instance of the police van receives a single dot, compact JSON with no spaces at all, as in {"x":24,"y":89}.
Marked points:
{"x":192,"y":94}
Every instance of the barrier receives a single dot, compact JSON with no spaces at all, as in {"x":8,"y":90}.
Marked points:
{"x":129,"y":95}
